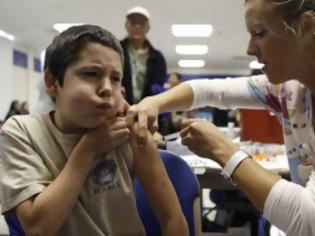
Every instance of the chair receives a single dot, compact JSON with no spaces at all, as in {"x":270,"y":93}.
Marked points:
{"x":187,"y":188}
{"x":233,"y":209}
{"x":156,"y":89}
{"x":15,"y":229}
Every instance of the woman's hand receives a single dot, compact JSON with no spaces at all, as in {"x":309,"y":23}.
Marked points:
{"x":145,"y":113}
{"x":123,"y":108}
{"x":206,"y":140}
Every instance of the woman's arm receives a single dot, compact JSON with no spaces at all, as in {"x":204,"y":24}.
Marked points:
{"x":206,"y":140}
{"x":287,"y":205}
{"x":152,"y":175}
{"x":148,"y":109}
{"x":221,"y":93}
{"x":229,"y":93}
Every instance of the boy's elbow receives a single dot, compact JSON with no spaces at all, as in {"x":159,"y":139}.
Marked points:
{"x":183,"y":226}
{"x":34,"y":231}
{"x":40,"y":230}
{"x":36,"y":222}
{"x":38,"y":227}
{"x":176,"y":226}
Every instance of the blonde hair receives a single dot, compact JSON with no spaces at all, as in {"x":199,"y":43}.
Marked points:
{"x":291,"y":10}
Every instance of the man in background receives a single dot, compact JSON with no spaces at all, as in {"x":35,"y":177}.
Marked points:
{"x":144,"y":65}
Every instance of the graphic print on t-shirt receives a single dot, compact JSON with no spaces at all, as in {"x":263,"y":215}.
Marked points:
{"x":103,"y":176}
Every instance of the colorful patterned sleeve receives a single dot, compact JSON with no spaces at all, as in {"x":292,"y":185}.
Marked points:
{"x":265,"y":92}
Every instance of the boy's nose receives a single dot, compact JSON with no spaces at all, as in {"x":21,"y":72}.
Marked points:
{"x":105,"y":88}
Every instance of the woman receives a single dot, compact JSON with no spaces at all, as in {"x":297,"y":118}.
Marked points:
{"x":282,"y":38}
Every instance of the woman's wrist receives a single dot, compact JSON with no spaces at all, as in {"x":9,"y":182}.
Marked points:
{"x":231,"y":165}
{"x":224,"y":154}
{"x":158,"y":102}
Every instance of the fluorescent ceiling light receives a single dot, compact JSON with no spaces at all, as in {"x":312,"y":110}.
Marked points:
{"x":255,"y":65}
{"x":191,"y":63}
{"x":192,"y":30}
{"x":63,"y":26}
{"x":6,"y":35}
{"x":191,"y":49}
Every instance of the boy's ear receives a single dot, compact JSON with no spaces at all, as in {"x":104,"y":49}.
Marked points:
{"x":51,"y":84}
{"x":308,"y":22}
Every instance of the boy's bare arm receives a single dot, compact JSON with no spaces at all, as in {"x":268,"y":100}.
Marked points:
{"x":45,"y":213}
{"x":152,"y":175}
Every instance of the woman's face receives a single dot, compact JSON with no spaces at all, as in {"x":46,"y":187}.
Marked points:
{"x":273,"y":44}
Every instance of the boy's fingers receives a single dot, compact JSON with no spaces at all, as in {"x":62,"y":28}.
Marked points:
{"x":119,"y":125}
{"x":125,"y":106}
{"x":122,"y":134}
{"x":142,"y":128}
{"x":124,"y":109}
{"x":153,"y":127}
{"x":143,"y":123}
{"x":131,"y":114}
{"x":120,"y":137}
{"x":140,"y":139}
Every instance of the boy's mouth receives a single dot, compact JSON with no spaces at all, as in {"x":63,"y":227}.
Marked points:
{"x":104,"y":106}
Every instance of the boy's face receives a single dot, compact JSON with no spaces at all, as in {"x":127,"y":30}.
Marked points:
{"x":91,"y":92}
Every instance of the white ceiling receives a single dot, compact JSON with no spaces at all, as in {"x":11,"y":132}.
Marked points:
{"x":31,"y":22}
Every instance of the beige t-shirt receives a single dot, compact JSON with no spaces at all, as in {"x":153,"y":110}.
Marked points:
{"x":34,"y":151}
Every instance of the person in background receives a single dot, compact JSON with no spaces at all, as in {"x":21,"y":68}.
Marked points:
{"x":14,"y":109}
{"x":24,"y":108}
{"x":174,"y":79}
{"x":282,"y":37}
{"x":144,"y":65}
{"x":71,"y":171}
{"x":44,"y":103}
{"x":172,"y":124}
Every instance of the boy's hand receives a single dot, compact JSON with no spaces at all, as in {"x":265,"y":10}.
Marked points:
{"x":106,"y":137}
{"x":150,"y":171}
{"x":122,"y":111}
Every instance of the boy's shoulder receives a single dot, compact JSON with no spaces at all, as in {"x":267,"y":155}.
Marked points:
{"x":20,"y":123}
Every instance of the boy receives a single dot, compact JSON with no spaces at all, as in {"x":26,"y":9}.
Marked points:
{"x":70,"y":172}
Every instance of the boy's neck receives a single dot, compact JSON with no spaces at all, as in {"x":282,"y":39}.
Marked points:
{"x":57,"y":121}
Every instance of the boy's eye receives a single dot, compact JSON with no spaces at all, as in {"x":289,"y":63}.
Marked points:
{"x":91,"y":73}
{"x":115,"y":78}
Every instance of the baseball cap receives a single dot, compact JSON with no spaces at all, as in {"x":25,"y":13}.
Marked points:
{"x":138,"y":10}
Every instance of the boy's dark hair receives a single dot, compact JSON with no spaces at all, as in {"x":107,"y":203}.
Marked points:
{"x":66,"y":47}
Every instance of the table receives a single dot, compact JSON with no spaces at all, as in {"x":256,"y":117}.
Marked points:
{"x":209,"y":172}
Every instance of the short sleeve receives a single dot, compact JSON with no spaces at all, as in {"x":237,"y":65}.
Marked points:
{"x":22,"y":172}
